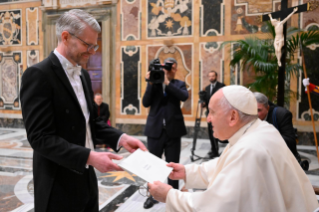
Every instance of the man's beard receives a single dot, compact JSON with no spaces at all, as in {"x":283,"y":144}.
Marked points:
{"x":212,"y":81}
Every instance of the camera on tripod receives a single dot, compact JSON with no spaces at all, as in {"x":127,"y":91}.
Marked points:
{"x":157,"y":71}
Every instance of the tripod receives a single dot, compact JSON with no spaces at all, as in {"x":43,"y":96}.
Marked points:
{"x":198,"y":118}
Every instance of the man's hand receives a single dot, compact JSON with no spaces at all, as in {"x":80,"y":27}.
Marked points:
{"x":203,"y":104}
{"x":166,"y":81}
{"x":102,"y":161}
{"x":178,"y":172}
{"x":159,"y":190}
{"x":131,"y":144}
{"x":147,"y":77}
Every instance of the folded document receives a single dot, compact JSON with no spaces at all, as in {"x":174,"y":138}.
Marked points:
{"x":146,"y":165}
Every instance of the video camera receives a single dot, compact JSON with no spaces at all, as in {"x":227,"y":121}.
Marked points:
{"x":157,"y":71}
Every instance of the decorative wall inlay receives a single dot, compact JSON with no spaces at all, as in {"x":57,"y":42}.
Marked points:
{"x":10,"y":28}
{"x":211,"y":58}
{"x":245,"y":14}
{"x":130,"y":80}
{"x":183,"y":53}
{"x":169,"y":18}
{"x":11,"y":70}
{"x":32,"y":57}
{"x":32,"y":25}
{"x":234,"y":71}
{"x":212,"y":17}
{"x":130,"y":19}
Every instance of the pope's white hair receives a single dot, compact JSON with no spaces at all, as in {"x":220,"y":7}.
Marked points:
{"x":75,"y":21}
{"x":227,"y":107}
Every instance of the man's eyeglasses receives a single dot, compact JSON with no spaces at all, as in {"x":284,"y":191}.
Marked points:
{"x":90,"y":46}
{"x":143,"y":190}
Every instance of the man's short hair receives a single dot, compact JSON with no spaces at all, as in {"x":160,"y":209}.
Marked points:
{"x":97,"y":94}
{"x":212,"y":71}
{"x":261,"y":99}
{"x":75,"y":21}
{"x":170,"y":59}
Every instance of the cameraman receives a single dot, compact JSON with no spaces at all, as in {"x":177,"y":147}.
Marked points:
{"x":165,"y":123}
{"x":210,"y":90}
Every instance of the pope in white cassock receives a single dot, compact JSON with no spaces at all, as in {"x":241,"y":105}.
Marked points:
{"x":256,"y":172}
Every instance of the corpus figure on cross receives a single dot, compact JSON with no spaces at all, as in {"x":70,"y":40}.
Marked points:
{"x":279,"y":39}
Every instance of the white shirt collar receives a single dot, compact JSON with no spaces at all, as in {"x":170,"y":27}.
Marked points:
{"x":232,"y":140}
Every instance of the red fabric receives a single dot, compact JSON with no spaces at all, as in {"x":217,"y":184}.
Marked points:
{"x":98,"y":110}
{"x":108,"y":122}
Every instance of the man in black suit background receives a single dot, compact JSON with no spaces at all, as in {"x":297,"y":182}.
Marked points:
{"x":165,"y":122}
{"x":210,"y":90}
{"x":281,"y":118}
{"x":101,"y":107}
{"x":61,"y":122}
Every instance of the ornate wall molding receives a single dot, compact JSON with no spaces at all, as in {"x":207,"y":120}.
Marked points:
{"x":32,"y":25}
{"x":10,"y":77}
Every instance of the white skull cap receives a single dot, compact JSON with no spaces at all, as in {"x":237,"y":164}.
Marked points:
{"x":241,"y":98}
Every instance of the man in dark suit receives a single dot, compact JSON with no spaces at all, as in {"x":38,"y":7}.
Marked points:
{"x":210,"y":90}
{"x":61,"y":122}
{"x":101,"y":107}
{"x":281,"y":118}
{"x":165,"y":122}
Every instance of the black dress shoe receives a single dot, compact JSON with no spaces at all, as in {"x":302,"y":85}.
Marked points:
{"x":149,"y":202}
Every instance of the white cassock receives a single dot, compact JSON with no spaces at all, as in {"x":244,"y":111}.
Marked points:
{"x":255,"y":173}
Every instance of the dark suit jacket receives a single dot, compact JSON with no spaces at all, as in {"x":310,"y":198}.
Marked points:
{"x":165,"y":107}
{"x":208,"y":95}
{"x":284,"y":125}
{"x":104,"y":111}
{"x":56,"y":127}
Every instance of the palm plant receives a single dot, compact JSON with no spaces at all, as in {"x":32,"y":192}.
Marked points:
{"x":258,"y":55}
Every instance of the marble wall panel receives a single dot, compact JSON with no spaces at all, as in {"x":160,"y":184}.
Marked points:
{"x":32,"y":57}
{"x":183,"y":53}
{"x":309,"y":18}
{"x":11,"y":70}
{"x":130,"y":19}
{"x":212,"y":17}
{"x":169,"y":18}
{"x":10,"y":28}
{"x":130,"y":80}
{"x":211,"y":59}
{"x":32,"y":25}
{"x":245,"y":15}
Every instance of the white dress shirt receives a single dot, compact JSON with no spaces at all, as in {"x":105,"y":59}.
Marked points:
{"x":79,"y":92}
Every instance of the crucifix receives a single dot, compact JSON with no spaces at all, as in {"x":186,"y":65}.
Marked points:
{"x":284,"y":14}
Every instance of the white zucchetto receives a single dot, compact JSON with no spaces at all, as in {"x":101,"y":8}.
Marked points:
{"x":241,"y":98}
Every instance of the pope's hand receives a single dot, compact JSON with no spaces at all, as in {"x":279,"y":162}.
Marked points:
{"x":131,"y":144}
{"x":102,"y":161}
{"x":178,"y":172}
{"x":159,"y":190}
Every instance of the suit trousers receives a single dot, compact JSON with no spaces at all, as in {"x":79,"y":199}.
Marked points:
{"x":79,"y":196}
{"x":171,"y":147}
{"x":213,"y":140}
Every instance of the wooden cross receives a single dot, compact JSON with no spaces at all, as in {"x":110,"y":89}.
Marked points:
{"x":282,"y":14}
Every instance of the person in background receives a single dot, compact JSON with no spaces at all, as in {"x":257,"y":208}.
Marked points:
{"x":210,"y":89}
{"x":165,"y":122}
{"x":102,"y":108}
{"x":281,"y":118}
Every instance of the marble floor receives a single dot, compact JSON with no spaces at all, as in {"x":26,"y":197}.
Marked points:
{"x":118,"y":191}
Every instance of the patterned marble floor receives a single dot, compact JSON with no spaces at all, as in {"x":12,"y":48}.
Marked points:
{"x":118,"y":191}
